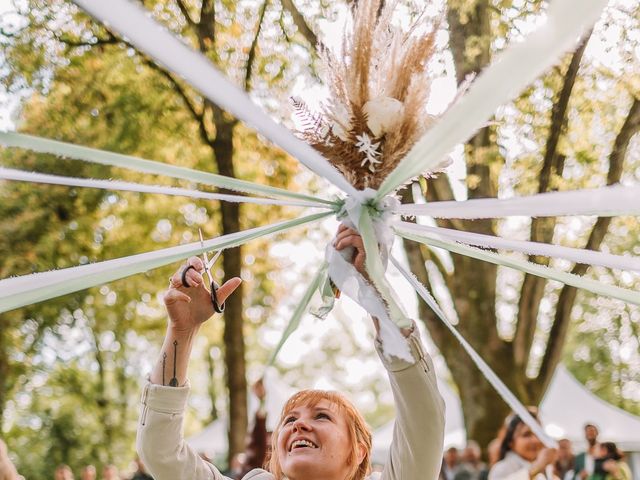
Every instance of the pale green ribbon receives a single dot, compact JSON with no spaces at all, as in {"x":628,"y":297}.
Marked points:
{"x":75,"y":152}
{"x":376,"y":269}
{"x":300,"y":310}
{"x":28,"y":289}
{"x":135,"y":23}
{"x":116,"y":185}
{"x":527,"y":267}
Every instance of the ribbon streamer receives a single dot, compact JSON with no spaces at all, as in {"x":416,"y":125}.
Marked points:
{"x":577,"y":255}
{"x":28,"y":289}
{"x":134,"y":23}
{"x":527,"y":267}
{"x":484,"y":368}
{"x":75,"y":152}
{"x":22,"y":176}
{"x":603,"y":202}
{"x":302,"y":307}
{"x":512,"y":70}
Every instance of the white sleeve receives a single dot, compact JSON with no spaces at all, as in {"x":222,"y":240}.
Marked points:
{"x":418,"y":434}
{"x":160,"y":442}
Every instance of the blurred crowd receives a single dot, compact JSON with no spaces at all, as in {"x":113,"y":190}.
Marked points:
{"x":518,"y":453}
{"x":64,"y":472}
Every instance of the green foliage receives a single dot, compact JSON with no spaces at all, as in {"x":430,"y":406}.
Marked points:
{"x":75,"y":363}
{"x":604,"y":347}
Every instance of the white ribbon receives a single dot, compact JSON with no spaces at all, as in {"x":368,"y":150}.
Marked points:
{"x":27,"y":289}
{"x":135,"y":24}
{"x":76,"y":152}
{"x":484,"y":368}
{"x":599,"y":288}
{"x":510,"y":72}
{"x":603,"y":202}
{"x":577,"y":255}
{"x":116,"y":185}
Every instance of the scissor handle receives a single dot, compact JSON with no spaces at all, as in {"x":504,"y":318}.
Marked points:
{"x":218,"y":307}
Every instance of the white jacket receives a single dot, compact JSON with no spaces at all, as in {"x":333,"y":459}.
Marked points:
{"x":415,"y":453}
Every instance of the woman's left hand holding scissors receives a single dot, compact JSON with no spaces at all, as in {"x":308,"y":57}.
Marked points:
{"x":189,"y":307}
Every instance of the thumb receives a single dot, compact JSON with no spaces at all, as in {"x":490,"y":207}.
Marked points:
{"x":228,"y":288}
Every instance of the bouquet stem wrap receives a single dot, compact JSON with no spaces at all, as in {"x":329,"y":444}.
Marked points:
{"x":372,"y":220}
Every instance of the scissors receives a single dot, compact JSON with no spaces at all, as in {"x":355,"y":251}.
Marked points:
{"x":217,"y":306}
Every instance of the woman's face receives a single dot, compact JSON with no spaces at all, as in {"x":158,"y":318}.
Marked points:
{"x":525,"y":443}
{"x":314,"y":443}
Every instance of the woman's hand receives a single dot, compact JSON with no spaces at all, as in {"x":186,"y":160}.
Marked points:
{"x":546,"y":456}
{"x":189,"y":307}
{"x":348,"y":237}
{"x":611,"y":467}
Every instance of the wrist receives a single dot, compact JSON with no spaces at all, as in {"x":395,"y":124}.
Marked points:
{"x":534,"y":470}
{"x":184,"y":333}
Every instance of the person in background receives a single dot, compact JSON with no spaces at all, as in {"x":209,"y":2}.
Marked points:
{"x":7,"y":469}
{"x":257,"y":441}
{"x":110,"y":472}
{"x":63,"y":472}
{"x":522,"y":454}
{"x":471,"y":465}
{"x":564,"y":467}
{"x":450,"y":464}
{"x":585,"y":461}
{"x":141,"y":472}
{"x":609,"y":464}
{"x":88,"y":473}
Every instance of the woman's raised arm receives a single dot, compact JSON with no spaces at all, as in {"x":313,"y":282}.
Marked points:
{"x":160,"y":442}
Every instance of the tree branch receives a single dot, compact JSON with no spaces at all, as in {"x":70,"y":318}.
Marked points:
{"x":74,"y":43}
{"x":254,"y":47}
{"x":567,"y":297}
{"x":198,"y":116}
{"x":185,"y":12}
{"x":532,"y":289}
{"x":301,"y":23}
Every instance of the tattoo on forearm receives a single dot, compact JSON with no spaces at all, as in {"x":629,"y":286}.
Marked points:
{"x":174,"y":381}
{"x":164,"y":364}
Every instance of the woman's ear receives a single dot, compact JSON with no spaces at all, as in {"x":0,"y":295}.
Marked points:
{"x":361,"y":453}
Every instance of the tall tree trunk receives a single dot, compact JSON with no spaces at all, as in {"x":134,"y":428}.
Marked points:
{"x":473,"y":285}
{"x":234,"y":347}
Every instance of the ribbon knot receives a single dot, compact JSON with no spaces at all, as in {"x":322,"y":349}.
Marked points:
{"x":371,"y":218}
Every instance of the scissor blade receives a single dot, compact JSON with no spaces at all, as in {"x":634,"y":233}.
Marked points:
{"x":213,"y":259}
{"x":204,"y":254}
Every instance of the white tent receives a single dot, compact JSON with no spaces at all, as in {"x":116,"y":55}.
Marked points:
{"x":212,"y":440}
{"x":568,"y":405}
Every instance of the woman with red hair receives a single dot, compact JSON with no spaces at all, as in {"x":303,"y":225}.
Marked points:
{"x":320,"y":435}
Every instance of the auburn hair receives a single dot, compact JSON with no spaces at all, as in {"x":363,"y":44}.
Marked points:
{"x":359,"y":432}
